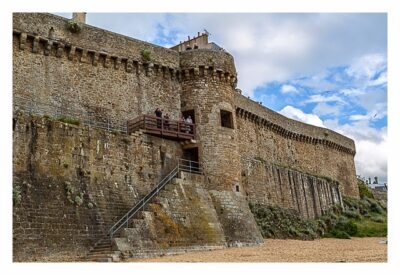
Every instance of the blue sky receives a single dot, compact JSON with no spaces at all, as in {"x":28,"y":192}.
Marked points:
{"x":328,"y":70}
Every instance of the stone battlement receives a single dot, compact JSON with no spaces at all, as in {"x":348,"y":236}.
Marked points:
{"x":290,"y":128}
{"x":76,"y":53}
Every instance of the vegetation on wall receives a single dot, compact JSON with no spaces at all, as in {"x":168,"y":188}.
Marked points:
{"x":74,"y":196}
{"x":276,"y":222}
{"x":363,"y":217}
{"x":74,"y":26}
{"x":146,"y":54}
{"x":69,"y":120}
{"x":17,"y":195}
{"x":365,"y":192}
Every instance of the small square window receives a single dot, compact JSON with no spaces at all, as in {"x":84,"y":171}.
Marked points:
{"x":226,"y":119}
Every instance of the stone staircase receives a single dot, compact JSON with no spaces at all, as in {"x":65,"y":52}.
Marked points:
{"x":146,"y":236}
{"x":102,"y":252}
{"x":107,"y":250}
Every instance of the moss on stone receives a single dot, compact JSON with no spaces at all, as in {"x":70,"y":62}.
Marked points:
{"x":69,"y":120}
{"x":146,"y":54}
{"x":17,"y":195}
{"x":73,"y":26}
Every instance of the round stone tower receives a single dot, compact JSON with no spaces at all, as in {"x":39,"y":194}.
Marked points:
{"x":208,"y":87}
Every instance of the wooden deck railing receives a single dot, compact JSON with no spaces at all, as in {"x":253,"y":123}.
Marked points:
{"x":162,"y":127}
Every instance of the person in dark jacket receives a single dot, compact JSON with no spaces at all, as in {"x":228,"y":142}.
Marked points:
{"x":166,"y":121}
{"x":158,"y":113}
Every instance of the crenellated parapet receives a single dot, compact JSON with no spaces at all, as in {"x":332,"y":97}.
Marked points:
{"x":208,"y":63}
{"x":97,"y":58}
{"x":292,"y":129}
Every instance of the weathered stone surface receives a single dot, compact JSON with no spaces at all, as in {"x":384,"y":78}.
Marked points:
{"x":182,"y":216}
{"x":240,"y":227}
{"x":311,"y":196}
{"x":73,"y":182}
{"x":269,"y":136}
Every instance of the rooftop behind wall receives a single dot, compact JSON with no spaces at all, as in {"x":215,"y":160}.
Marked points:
{"x":201,"y":41}
{"x":39,"y":24}
{"x":293,"y":126}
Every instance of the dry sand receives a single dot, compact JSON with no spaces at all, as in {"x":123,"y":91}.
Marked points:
{"x":322,"y":250}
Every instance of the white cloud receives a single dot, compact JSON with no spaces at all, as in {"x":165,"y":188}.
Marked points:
{"x":378,"y":112}
{"x":285,"y":89}
{"x":351,"y":92}
{"x":322,"y":109}
{"x":371,"y":147}
{"x":371,"y":158}
{"x":367,"y":66}
{"x":320,"y":98}
{"x":299,"y":115}
{"x":381,"y":80}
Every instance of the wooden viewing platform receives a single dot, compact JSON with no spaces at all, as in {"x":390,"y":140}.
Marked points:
{"x":161,"y":127}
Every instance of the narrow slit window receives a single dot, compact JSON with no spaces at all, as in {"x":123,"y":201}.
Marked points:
{"x":226,"y":119}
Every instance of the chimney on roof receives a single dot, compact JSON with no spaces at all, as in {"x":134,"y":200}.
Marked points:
{"x":79,"y":17}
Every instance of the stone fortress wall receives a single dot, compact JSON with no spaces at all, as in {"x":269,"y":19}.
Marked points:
{"x":93,"y":71}
{"x":262,"y":158}
{"x":76,"y":181}
{"x":273,"y":138}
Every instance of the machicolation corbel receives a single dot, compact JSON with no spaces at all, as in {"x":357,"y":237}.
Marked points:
{"x":96,"y":57}
{"x":35,"y":47}
{"x":117,"y":63}
{"x":149,"y":71}
{"x":129,"y":65}
{"x":139,"y":68}
{"x":106,"y":61}
{"x":60,"y":50}
{"x":48,"y":47}
{"x":84,"y":57}
{"x":22,"y":41}
{"x":71,"y":54}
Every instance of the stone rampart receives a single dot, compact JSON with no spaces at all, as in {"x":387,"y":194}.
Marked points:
{"x":269,"y":136}
{"x":290,"y":128}
{"x":269,"y":184}
{"x":93,"y":71}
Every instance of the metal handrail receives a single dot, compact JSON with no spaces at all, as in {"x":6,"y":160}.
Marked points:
{"x":191,"y":167}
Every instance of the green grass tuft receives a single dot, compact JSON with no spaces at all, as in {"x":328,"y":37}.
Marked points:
{"x":365,"y":192}
{"x":69,"y":120}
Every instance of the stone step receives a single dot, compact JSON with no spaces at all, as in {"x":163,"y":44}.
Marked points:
{"x":102,"y":246}
{"x":100,"y":255}
{"x":100,"y":259}
{"x":100,"y":251}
